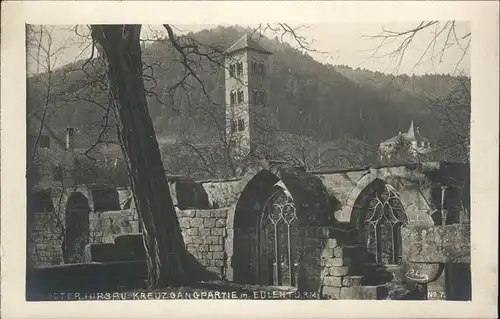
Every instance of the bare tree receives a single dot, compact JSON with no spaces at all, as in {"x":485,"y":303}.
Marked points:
{"x":452,"y":109}
{"x":454,"y":112}
{"x":124,"y":107}
{"x":445,"y":34}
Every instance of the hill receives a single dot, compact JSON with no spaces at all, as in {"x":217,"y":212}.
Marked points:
{"x":326,"y":102}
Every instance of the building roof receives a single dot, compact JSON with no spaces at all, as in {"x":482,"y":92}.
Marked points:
{"x":246,"y":42}
{"x":413,"y":134}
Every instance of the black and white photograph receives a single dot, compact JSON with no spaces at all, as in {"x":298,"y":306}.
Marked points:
{"x":247,"y":161}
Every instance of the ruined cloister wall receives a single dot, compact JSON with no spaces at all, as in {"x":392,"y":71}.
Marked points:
{"x":207,"y":211}
{"x":411,"y":185}
{"x":106,"y":226}
{"x":45,"y":240}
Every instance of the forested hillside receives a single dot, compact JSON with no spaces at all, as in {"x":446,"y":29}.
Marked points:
{"x":326,"y":102}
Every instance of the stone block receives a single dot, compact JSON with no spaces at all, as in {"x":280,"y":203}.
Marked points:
{"x":209,"y":222}
{"x":331,"y":243}
{"x":217,"y":231}
{"x":327,"y":253}
{"x":203,"y":248}
{"x":216,"y":248}
{"x":334,"y":262}
{"x":203,"y":213}
{"x":184,"y":222}
{"x":188,"y":213}
{"x":192,"y":232}
{"x":204,"y":231}
{"x":135,"y":226}
{"x":218,"y":255}
{"x":325,"y":271}
{"x":220,"y":222}
{"x":338,"y":252}
{"x":196,"y":222}
{"x":332,"y":281}
{"x":219,"y":263}
{"x":338,"y":271}
{"x":220,"y":213}
{"x":352,"y":281}
{"x":333,"y":292}
{"x":212,"y":239}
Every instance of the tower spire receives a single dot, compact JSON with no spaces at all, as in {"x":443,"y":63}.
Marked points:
{"x":411,"y":131}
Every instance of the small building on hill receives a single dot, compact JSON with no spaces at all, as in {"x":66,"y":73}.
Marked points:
{"x":410,"y":143}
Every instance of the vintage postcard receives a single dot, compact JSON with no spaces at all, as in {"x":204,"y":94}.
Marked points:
{"x":202,"y":157}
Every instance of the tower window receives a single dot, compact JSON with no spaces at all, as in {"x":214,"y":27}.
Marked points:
{"x":241,"y":125}
{"x":233,"y":98}
{"x":241,"y":96}
{"x":232,"y":69}
{"x":258,"y":67}
{"x":233,"y":126}
{"x":259,"y":97}
{"x":239,"y":68}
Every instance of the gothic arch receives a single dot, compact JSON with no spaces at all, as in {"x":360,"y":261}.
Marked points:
{"x":416,"y":205}
{"x":378,"y":216}
{"x":244,"y":221}
{"x":256,"y":188}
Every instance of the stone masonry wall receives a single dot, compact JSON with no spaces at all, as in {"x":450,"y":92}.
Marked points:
{"x":331,"y":265}
{"x":204,"y":233}
{"x":106,"y":226}
{"x":45,"y":242}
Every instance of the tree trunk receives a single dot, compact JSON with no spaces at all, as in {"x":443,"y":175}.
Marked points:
{"x":165,"y":250}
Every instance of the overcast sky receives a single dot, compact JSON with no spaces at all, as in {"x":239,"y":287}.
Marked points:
{"x":347,"y":43}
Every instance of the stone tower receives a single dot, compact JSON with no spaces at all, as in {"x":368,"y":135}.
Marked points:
{"x":248,"y":121}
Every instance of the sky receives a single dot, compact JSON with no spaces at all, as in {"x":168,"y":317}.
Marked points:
{"x":349,"y":44}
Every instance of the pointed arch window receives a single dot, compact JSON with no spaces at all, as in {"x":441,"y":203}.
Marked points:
{"x":241,"y":125}
{"x":384,"y":214}
{"x":232,"y":98}
{"x":259,"y":97}
{"x":241,"y":96}
{"x":278,"y":240}
{"x":258,"y":67}
{"x":239,"y":68}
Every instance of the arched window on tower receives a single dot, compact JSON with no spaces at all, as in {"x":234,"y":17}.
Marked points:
{"x":241,"y":125}
{"x":239,"y":68}
{"x":241,"y":97}
{"x":259,"y":97}
{"x":380,"y":225}
{"x":233,"y":98}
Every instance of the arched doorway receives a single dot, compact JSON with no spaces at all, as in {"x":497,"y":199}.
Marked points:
{"x":265,"y":231}
{"x":277,"y":238}
{"x":76,"y":228}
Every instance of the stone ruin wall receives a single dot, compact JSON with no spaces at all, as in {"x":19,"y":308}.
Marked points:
{"x":46,"y":240}
{"x":206,"y":221}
